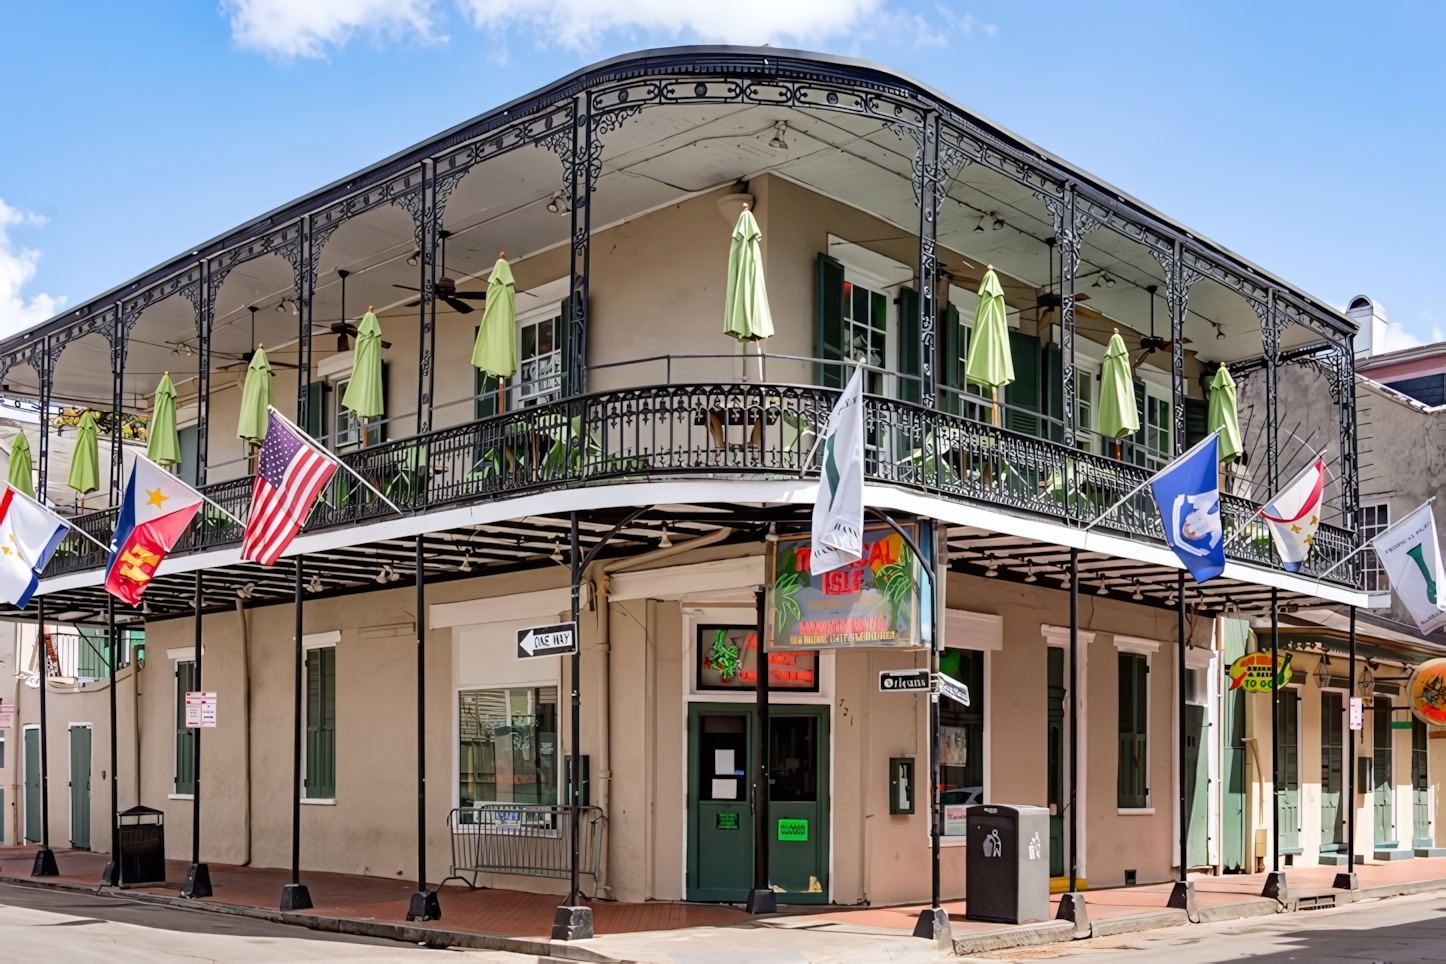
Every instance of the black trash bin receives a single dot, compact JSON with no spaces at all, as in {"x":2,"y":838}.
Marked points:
{"x":142,"y":847}
{"x":1007,"y":863}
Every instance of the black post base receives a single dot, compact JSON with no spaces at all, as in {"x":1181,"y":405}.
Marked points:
{"x":1347,"y":881}
{"x":425,"y":906}
{"x":1275,"y":886}
{"x":933,"y":925}
{"x":1182,"y":896}
{"x":572,"y":923}
{"x":763,"y":901}
{"x":44,"y":864}
{"x":110,"y":876}
{"x":198,"y":882}
{"x":295,"y":897}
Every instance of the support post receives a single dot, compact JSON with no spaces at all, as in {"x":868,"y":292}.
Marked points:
{"x":198,"y":877}
{"x":295,"y":896}
{"x":1073,"y":720}
{"x":111,"y":875}
{"x":761,"y":899}
{"x":1183,"y":893}
{"x":427,"y":306}
{"x":206,"y":308}
{"x":1349,"y":880}
{"x":44,"y":865}
{"x":425,"y":905}
{"x":1275,"y":884}
{"x":579,"y":173}
{"x":573,"y":920}
{"x":930,"y":198}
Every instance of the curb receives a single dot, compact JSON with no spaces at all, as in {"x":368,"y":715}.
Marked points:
{"x":403,"y":933}
{"x":1028,"y":935}
{"x":1401,"y":890}
{"x":1130,"y":923}
{"x":1261,"y":907}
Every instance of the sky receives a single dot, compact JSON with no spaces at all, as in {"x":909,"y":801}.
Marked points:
{"x":1306,"y":136}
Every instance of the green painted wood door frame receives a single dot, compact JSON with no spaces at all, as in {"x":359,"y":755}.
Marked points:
{"x":32,"y":785}
{"x":80,"y":787}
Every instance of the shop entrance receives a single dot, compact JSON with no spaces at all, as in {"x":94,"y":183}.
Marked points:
{"x":721,"y":761}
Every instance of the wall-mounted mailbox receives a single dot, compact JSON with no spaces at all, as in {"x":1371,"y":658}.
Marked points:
{"x":901,"y":785}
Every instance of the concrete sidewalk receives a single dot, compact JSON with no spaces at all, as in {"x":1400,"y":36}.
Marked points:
{"x":667,"y":931}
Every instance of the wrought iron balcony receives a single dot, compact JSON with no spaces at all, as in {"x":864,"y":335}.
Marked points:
{"x":738,"y":431}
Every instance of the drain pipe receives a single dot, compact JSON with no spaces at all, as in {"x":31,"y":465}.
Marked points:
{"x":246,"y":723}
{"x":600,"y":572}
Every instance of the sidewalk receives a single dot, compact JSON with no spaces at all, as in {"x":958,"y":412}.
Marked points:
{"x":660,"y":931}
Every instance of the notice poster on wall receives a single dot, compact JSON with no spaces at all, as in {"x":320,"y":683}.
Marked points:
{"x":956,"y":819}
{"x":200,"y":710}
{"x":875,"y":602}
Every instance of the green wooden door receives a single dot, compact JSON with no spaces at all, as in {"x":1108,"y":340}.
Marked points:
{"x":1332,"y":772}
{"x":32,"y":786}
{"x":1289,"y":790}
{"x":1420,"y":789}
{"x":1054,"y":716}
{"x":1197,"y":785}
{"x":80,"y":787}
{"x":720,"y":802}
{"x":1381,"y":784}
{"x":798,"y":833}
{"x":1235,"y":636}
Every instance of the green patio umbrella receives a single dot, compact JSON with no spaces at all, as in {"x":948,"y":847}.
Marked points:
{"x":1118,"y":415}
{"x":164,"y":445}
{"x":989,"y":363}
{"x":1223,"y":415}
{"x":85,"y":460}
{"x":364,"y":391}
{"x":495,"y":351}
{"x":255,"y":398}
{"x":745,"y":304}
{"x":20,"y":465}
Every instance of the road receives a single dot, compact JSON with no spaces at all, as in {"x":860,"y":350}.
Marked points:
{"x":53,"y":925}
{"x":1402,"y":930}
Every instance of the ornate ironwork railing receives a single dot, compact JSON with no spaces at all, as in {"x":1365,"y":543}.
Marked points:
{"x":747,"y":431}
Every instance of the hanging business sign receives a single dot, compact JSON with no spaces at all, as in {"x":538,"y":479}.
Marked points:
{"x":1251,"y":673}
{"x":1428,"y":691}
{"x":875,"y":602}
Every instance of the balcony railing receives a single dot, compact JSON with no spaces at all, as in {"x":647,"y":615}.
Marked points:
{"x":748,"y":431}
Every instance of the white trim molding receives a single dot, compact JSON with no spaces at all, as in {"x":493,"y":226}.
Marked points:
{"x":977,"y":631}
{"x":518,"y":607}
{"x":1137,"y":644}
{"x":1198,"y":657}
{"x":321,"y":640}
{"x":1059,"y":635}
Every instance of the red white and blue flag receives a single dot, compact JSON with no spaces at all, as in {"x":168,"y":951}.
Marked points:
{"x":29,"y":533}
{"x":289,"y":476}
{"x":1294,"y":515}
{"x":156,"y":509}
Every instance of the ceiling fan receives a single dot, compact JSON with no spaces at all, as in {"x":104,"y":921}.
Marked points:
{"x":344,"y":329}
{"x":250,"y":353}
{"x":446,"y":288}
{"x":1152,"y":343}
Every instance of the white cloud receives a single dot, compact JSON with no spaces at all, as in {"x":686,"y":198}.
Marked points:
{"x":307,"y":28}
{"x":17,"y":267}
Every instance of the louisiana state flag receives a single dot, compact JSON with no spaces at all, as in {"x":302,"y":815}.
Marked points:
{"x":155,"y":511}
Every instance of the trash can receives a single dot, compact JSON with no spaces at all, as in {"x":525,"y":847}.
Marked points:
{"x":142,"y":847}
{"x":1007,"y":863}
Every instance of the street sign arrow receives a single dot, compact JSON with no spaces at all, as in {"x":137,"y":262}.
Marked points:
{"x":952,"y":688}
{"x":558,"y":639}
{"x":904,"y":681}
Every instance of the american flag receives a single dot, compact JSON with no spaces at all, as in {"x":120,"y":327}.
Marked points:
{"x":289,"y":476}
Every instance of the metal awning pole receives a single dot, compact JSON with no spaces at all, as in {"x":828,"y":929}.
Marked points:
{"x":761,"y":899}
{"x":425,"y":904}
{"x":45,"y":857}
{"x":1073,"y":720}
{"x":198,"y":878}
{"x":295,"y":895}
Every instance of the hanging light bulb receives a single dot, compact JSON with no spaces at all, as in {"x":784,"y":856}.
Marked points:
{"x":979,"y":228}
{"x":281,"y":307}
{"x":414,"y":258}
{"x":392,"y":574}
{"x":1322,"y":672}
{"x":1109,"y":282}
{"x":993,"y":569}
{"x":556,"y":552}
{"x":466,"y":565}
{"x":1104,"y":589}
{"x":665,"y":542}
{"x":1219,"y":333}
{"x":1030,"y":576}
{"x":315,"y":584}
{"x":998,"y":222}
{"x":1137,"y":595}
{"x":779,"y":129}
{"x":381,"y":576}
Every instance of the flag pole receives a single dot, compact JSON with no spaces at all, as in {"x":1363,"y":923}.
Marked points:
{"x":1139,"y":488}
{"x":332,"y":456}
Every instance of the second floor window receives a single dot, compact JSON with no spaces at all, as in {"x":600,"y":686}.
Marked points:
{"x":348,"y":435}
{"x":866,"y":331}
{"x":1375,"y":519}
{"x":539,"y":361}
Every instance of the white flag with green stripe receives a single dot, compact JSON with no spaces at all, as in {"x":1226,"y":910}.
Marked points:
{"x":838,"y":514}
{"x":1411,"y":556}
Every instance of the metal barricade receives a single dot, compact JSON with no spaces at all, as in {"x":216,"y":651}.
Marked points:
{"x":531,"y":840}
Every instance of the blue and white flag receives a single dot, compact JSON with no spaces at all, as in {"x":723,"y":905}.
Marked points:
{"x":1187,"y":493}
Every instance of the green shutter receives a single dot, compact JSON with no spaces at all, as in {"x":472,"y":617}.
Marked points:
{"x":1197,"y":417}
{"x":377,"y":430}
{"x":1052,"y":390}
{"x":909,"y":344}
{"x":951,"y":366}
{"x":316,"y":410}
{"x":1133,"y":782}
{"x":189,"y":437}
{"x":321,"y":723}
{"x":185,"y":736}
{"x":1022,"y":394}
{"x":828,"y":310}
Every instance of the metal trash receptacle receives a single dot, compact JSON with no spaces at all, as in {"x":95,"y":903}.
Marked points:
{"x":1007,"y":863}
{"x":142,"y":846}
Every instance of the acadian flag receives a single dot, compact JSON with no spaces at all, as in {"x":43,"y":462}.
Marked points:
{"x":1411,"y":555}
{"x":1294,"y":515}
{"x":155,"y":511}
{"x":29,"y":533}
{"x":838,"y":510}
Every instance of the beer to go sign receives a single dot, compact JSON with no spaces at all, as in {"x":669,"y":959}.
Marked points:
{"x":1251,"y":673}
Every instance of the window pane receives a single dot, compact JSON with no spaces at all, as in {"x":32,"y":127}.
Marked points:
{"x":508,"y":746}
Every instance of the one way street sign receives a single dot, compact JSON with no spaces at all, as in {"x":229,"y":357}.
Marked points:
{"x":559,"y":639}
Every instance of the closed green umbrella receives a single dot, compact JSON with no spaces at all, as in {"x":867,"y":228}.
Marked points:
{"x":1118,"y":415}
{"x":20,"y":465}
{"x":255,"y":398}
{"x":745,"y":304}
{"x":164,"y":445}
{"x":85,"y":460}
{"x":989,"y":363}
{"x":1223,"y":416}
{"x":495,"y":351}
{"x":364,"y":391}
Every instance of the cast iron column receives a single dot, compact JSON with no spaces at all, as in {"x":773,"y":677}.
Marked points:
{"x":111,"y":876}
{"x":44,"y":857}
{"x":1180,"y":731}
{"x":295,"y":896}
{"x":198,"y":878}
{"x":1275,"y":728}
{"x":427,"y":300}
{"x":573,"y":920}
{"x":425,"y":905}
{"x":761,"y":899}
{"x":1347,"y":880}
{"x":1073,"y":720}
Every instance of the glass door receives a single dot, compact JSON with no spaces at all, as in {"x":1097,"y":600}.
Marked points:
{"x":1332,"y":772}
{"x":1289,"y":789}
{"x":1381,"y":786}
{"x":1420,"y":789}
{"x":720,"y":818}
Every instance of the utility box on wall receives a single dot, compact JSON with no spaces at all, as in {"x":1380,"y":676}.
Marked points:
{"x":901,"y":785}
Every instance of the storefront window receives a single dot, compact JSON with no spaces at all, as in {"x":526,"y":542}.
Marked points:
{"x":508,"y":751}
{"x":961,"y":739}
{"x":728,"y":660}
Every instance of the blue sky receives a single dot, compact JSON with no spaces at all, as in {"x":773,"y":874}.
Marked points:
{"x":1306,"y":136}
